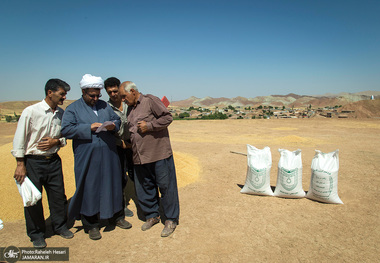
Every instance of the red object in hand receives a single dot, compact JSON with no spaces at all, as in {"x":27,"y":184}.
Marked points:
{"x":165,"y":101}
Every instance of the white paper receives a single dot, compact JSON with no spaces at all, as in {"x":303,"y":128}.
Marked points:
{"x":103,"y":126}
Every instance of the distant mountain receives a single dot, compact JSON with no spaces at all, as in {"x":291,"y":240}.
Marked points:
{"x":16,"y":107}
{"x":366,"y":93}
{"x":362,"y":109}
{"x":290,"y":100}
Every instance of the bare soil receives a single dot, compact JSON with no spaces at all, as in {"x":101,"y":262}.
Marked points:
{"x":217,"y":222}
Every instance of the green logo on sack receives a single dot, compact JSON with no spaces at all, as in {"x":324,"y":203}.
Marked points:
{"x":258,"y":177}
{"x":288,"y":178}
{"x":323,"y":184}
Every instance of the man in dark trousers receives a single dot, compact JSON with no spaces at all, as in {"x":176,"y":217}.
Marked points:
{"x":35,"y":146}
{"x":123,"y":142}
{"x":148,"y":120}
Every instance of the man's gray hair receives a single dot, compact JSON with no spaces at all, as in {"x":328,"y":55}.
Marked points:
{"x":130,"y":86}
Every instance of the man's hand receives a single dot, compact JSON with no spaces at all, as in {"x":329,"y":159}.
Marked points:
{"x":128,"y":145}
{"x":20,"y":172}
{"x":125,"y":144}
{"x":95,"y":125}
{"x":47,"y":143}
{"x":110,"y":127}
{"x":142,"y":127}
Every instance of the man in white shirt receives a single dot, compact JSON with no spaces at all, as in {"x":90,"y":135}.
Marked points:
{"x":35,"y":146}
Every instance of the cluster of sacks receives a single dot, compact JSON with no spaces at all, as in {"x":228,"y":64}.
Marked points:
{"x":324,"y":175}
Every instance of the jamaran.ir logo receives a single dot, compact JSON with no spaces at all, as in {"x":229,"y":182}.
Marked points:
{"x":12,"y":254}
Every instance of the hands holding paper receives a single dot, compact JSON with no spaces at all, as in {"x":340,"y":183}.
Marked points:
{"x":106,"y":126}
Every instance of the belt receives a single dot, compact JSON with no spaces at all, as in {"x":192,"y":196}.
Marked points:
{"x":43,"y":157}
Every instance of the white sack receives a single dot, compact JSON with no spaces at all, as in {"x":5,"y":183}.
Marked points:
{"x":289,"y":175}
{"x":1,"y":224}
{"x":29,"y":192}
{"x":324,"y":178}
{"x":258,"y":171}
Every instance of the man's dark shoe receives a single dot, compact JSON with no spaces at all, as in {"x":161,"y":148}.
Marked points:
{"x":94,"y":233}
{"x":150,"y":222}
{"x":39,"y":243}
{"x":122,"y":223}
{"x":169,"y":228}
{"x":128,"y":212}
{"x":66,"y":234}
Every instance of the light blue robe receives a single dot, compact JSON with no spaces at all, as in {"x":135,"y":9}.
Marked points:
{"x":96,"y":162}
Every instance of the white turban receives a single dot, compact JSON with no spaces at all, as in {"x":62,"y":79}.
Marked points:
{"x":90,"y":81}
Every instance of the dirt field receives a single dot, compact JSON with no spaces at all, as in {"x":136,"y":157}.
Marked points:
{"x":217,"y":222}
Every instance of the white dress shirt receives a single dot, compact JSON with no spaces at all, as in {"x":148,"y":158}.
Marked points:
{"x":36,"y":122}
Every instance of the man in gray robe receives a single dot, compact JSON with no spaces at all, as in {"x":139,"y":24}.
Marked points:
{"x":91,"y":124}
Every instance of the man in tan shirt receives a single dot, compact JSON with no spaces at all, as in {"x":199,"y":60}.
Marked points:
{"x":35,"y":145}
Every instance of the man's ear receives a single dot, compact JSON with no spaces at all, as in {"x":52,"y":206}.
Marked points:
{"x":49,"y":93}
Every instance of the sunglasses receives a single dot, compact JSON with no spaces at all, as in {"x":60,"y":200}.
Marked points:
{"x":94,"y":96}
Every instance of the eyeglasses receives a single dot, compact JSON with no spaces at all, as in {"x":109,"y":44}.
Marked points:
{"x":94,"y":96}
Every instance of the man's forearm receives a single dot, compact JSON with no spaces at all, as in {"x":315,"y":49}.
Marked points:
{"x":161,"y":123}
{"x":20,"y":172}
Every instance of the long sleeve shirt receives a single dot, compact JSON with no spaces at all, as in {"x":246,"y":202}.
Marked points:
{"x":36,"y":122}
{"x":123,"y":133}
{"x":153,"y":145}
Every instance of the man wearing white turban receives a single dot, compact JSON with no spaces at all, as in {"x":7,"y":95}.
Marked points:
{"x":91,"y":123}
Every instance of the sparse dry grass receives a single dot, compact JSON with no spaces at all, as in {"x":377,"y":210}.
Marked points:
{"x":217,"y":223}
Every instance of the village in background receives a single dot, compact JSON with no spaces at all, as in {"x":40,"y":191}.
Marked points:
{"x":345,"y":105}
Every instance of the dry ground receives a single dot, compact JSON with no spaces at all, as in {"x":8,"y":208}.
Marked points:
{"x":217,"y":223}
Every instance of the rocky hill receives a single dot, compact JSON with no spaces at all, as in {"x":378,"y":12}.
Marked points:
{"x":290,"y":100}
{"x":361,"y":109}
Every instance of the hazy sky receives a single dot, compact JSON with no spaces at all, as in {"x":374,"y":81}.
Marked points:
{"x":192,"y":48}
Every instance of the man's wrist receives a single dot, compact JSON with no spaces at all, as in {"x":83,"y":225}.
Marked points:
{"x":20,"y":161}
{"x":149,"y":126}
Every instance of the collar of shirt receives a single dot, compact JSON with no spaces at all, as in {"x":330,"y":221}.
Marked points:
{"x":116,"y":108}
{"x":141,"y":97}
{"x":46,"y":106}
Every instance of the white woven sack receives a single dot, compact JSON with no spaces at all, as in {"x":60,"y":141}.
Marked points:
{"x":258,"y":171}
{"x":289,"y":175}
{"x":324,"y":178}
{"x":29,"y":192}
